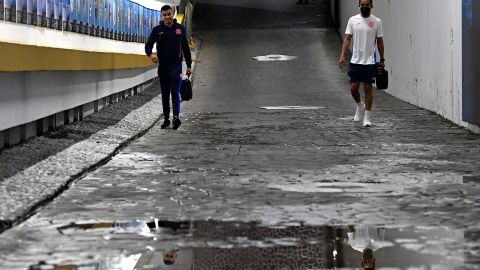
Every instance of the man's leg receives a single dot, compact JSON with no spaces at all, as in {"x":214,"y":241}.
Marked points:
{"x":175,"y":88}
{"x":165,"y":89}
{"x":355,"y":91}
{"x":368,"y":104}
{"x":368,"y":96}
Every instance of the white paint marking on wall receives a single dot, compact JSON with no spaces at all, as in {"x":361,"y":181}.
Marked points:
{"x":274,"y":57}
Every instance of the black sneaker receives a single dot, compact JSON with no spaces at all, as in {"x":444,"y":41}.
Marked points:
{"x":165,"y":124}
{"x":176,"y":123}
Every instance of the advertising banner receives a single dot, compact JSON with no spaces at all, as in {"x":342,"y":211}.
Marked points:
{"x":135,"y":19}
{"x":82,"y":12}
{"x":10,"y":10}
{"x":91,"y":13}
{"x":110,"y":8}
{"x":145,"y":22}
{"x":141,"y":31}
{"x":95,"y":13}
{"x":57,"y":14}
{"x":32,"y":12}
{"x":41,"y":12}
{"x":123,"y":18}
{"x":72,"y":15}
{"x":65,"y":14}
{"x":118,"y":26}
{"x":22,"y":11}
{"x":2,"y":10}
{"x":128,"y":8}
{"x":49,"y":16}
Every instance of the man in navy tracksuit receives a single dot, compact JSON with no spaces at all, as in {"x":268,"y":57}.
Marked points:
{"x":172,"y":46}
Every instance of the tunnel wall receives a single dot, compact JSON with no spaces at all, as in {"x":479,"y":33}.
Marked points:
{"x":28,"y":96}
{"x":50,"y":78}
{"x":423,"y":51}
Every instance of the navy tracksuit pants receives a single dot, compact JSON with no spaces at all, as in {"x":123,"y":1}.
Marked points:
{"x":170,"y":83}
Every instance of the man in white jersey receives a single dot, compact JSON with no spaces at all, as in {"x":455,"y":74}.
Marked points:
{"x":366,"y":31}
{"x":367,"y":240}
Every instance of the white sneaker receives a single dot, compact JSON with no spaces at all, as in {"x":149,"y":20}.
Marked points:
{"x":366,"y":119}
{"x":359,"y":112}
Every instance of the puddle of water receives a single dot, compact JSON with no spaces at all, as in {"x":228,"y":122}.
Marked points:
{"x":471,"y":179}
{"x":232,"y":245}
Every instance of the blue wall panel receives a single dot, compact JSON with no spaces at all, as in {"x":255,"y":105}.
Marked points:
{"x":471,"y":61}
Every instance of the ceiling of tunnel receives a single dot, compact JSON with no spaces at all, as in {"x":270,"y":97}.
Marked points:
{"x":274,"y":5}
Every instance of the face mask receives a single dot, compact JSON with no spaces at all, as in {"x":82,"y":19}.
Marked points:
{"x":365,"y":11}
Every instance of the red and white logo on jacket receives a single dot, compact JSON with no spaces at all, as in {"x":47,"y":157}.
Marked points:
{"x":178,"y":32}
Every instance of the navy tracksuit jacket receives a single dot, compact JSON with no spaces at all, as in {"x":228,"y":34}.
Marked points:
{"x":172,"y":46}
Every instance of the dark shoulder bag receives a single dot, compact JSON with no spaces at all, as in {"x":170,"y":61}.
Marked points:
{"x":382,"y":78}
{"x":186,"y":89}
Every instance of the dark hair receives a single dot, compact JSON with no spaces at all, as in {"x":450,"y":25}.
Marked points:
{"x":371,"y":2}
{"x":371,"y":268}
{"x":167,"y":7}
{"x":167,"y":262}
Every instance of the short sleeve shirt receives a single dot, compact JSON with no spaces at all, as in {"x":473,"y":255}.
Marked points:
{"x":368,"y":237}
{"x":365,"y":32}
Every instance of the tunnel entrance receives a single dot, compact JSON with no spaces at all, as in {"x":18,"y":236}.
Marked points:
{"x":269,"y":14}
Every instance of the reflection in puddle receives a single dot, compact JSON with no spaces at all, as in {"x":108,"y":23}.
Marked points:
{"x":127,"y":226}
{"x":232,"y":245}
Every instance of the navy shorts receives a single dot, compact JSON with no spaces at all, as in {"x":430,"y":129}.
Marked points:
{"x":362,"y":73}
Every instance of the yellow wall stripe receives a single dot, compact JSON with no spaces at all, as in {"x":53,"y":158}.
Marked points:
{"x":18,"y":57}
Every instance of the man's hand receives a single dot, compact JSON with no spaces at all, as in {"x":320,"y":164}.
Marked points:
{"x":189,"y":72}
{"x":341,"y":62}
{"x":154,"y":57}
{"x":381,"y":64}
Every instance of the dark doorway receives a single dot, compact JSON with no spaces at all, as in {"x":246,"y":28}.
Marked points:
{"x":471,"y":61}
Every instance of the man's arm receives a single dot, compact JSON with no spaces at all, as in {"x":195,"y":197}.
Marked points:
{"x":186,"y":52}
{"x":381,"y":51}
{"x":149,"y":46}
{"x":346,"y":45}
